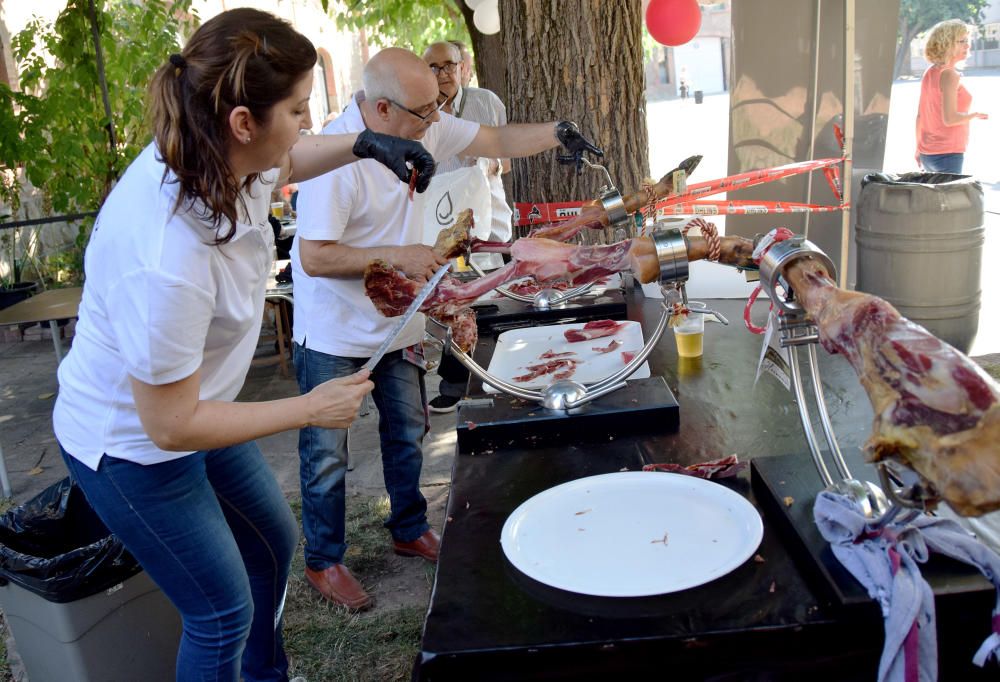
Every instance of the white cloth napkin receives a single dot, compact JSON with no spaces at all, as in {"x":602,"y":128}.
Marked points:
{"x":886,"y":564}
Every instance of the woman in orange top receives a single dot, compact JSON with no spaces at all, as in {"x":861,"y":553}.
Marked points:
{"x":943,"y":113}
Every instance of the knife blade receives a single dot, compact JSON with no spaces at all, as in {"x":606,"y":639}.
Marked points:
{"x":421,"y":296}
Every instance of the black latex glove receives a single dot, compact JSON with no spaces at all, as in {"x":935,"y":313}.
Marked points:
{"x":398,"y":155}
{"x":575,"y":143}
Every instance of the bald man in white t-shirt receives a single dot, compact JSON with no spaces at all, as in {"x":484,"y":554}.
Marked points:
{"x":345,"y":220}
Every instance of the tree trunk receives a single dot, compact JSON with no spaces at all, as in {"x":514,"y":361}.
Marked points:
{"x":902,"y":64}
{"x":586,"y":65}
{"x":491,"y":68}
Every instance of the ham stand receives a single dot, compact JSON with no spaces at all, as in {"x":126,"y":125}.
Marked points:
{"x":786,"y":492}
{"x":645,"y":404}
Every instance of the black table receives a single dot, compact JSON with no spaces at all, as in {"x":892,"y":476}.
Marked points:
{"x":766,"y":620}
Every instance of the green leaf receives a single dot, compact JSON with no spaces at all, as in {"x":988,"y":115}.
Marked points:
{"x":55,"y":128}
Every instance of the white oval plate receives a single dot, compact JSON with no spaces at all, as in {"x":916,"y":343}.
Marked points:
{"x":631,"y":534}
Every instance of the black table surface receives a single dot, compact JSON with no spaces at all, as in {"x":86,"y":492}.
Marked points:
{"x":765,"y":620}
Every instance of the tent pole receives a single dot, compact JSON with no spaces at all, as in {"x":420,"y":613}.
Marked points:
{"x":815,"y":103}
{"x":845,"y":226}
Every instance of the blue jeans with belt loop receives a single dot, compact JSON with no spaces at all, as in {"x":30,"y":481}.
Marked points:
{"x":942,"y":163}
{"x":401,"y":399}
{"x":214,"y":531}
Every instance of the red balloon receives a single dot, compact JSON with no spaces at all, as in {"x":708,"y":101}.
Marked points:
{"x":673,"y":22}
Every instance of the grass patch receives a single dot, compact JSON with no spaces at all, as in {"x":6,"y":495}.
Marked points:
{"x":5,"y":674}
{"x":325,"y":642}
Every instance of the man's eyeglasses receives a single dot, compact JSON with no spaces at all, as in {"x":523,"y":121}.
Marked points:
{"x":447,"y":67}
{"x":422,"y":117}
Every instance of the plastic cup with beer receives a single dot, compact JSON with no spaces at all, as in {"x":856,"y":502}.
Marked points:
{"x":278,"y":209}
{"x":689,"y":332}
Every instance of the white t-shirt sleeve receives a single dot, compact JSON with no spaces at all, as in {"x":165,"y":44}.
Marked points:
{"x":324,"y":204}
{"x":452,"y":136}
{"x":160,"y":324}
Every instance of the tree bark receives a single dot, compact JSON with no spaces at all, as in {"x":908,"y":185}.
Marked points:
{"x":902,"y":63}
{"x":586,"y":65}
{"x":491,"y":68}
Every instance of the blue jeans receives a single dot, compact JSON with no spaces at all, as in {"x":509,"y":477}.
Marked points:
{"x":213,"y":530}
{"x":942,"y":163}
{"x":401,"y":400}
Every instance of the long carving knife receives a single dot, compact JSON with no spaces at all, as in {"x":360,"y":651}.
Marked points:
{"x":421,"y":296}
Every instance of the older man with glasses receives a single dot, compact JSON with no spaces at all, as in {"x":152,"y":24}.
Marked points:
{"x":466,"y":69}
{"x":482,"y":106}
{"x":346,"y":220}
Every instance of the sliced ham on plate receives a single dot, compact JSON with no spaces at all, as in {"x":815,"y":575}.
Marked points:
{"x":593,"y":330}
{"x":608,"y":348}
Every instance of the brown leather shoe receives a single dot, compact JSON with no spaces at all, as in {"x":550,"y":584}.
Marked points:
{"x":337,"y":585}
{"x":425,"y":547}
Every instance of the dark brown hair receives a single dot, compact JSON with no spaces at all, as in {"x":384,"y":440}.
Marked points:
{"x":243,"y":57}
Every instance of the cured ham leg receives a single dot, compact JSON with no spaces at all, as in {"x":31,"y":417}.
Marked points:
{"x":456,"y":240}
{"x":936,"y":411}
{"x":544,"y":259}
{"x":592,"y":215}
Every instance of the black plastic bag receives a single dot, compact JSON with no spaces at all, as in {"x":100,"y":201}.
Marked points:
{"x":914,"y":178}
{"x":55,"y":546}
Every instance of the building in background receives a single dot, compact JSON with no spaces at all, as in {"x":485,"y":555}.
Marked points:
{"x":702,"y":63}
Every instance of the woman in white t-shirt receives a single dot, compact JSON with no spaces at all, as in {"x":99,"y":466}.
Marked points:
{"x":171,"y":311}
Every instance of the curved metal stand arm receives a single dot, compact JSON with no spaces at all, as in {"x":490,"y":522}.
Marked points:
{"x":824,"y":414}
{"x":564,"y":296}
{"x":807,"y":427}
{"x":451,"y":347}
{"x":488,"y":378}
{"x":555,"y":300}
{"x":593,"y":392}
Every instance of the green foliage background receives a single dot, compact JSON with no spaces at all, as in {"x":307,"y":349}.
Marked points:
{"x":916,"y":16}
{"x":413,"y":24}
{"x":54,"y":129}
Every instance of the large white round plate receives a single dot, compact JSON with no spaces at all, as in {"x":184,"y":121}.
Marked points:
{"x":631,"y":534}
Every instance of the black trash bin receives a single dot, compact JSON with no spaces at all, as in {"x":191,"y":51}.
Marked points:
{"x":698,"y":96}
{"x":77,"y":603}
{"x":920,"y":246}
